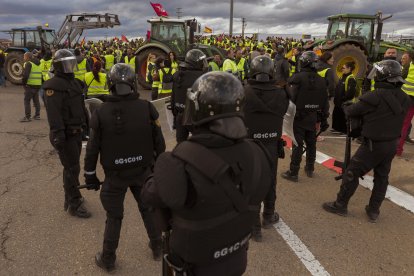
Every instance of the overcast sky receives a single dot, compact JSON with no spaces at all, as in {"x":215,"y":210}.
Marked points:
{"x":265,"y":16}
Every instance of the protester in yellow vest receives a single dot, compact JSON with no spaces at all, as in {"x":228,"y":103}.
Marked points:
{"x":241,"y":65}
{"x":166,"y":79}
{"x":109,"y":60}
{"x":293,"y":61}
{"x":215,"y":64}
{"x":345,"y":91}
{"x":408,"y":88}
{"x":229,"y":65}
{"x":32,"y":81}
{"x":155,"y":77}
{"x":96,"y":82}
{"x":130,"y":59}
{"x":173,"y":59}
{"x":83,"y":66}
{"x":324,"y":68}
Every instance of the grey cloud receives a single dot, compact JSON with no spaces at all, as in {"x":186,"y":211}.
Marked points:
{"x":263,"y":14}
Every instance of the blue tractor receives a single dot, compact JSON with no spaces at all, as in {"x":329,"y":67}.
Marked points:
{"x":25,"y":40}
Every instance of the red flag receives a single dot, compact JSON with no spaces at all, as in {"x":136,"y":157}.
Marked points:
{"x":124,"y":39}
{"x":148,"y":35}
{"x":159,"y":10}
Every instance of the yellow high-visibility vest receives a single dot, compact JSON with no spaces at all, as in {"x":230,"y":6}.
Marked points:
{"x":323,"y":72}
{"x":45,"y":64}
{"x":240,"y":66}
{"x":130,"y":62}
{"x":35,"y":77}
{"x":355,"y":99}
{"x":230,"y":66}
{"x":407,"y":88}
{"x":80,"y":73}
{"x":214,"y":66}
{"x":109,"y":62}
{"x":165,"y":88}
{"x":96,"y":87}
{"x":292,"y":67}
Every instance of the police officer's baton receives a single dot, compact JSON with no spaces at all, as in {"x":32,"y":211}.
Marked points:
{"x":85,"y":186}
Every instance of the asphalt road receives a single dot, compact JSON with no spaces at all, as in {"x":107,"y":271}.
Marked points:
{"x":38,"y":238}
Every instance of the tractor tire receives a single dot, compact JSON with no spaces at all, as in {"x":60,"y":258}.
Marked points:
{"x":142,"y":61}
{"x":13,"y":67}
{"x":349,"y":52}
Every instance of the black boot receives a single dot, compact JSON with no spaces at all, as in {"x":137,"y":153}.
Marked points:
{"x":269,"y":220}
{"x":372,"y":214}
{"x":156,"y":248}
{"x":335,"y":208}
{"x":78,"y":211}
{"x":257,"y":234}
{"x":309,"y":168}
{"x":105,"y":262}
{"x":289,"y":175}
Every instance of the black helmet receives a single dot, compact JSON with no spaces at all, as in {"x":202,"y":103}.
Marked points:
{"x":262,"y":69}
{"x":308,"y":59}
{"x":387,"y":70}
{"x":121,"y":80}
{"x":195,"y":59}
{"x":214,"y":95}
{"x":64,"y":61}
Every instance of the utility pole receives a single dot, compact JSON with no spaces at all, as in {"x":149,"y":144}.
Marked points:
{"x":179,"y":13}
{"x":243,"y":26}
{"x":231,"y":18}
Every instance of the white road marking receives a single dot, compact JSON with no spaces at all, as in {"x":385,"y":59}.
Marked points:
{"x":394,"y":194}
{"x":300,"y":249}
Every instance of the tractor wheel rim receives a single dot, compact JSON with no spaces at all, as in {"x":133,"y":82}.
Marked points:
{"x":16,"y":68}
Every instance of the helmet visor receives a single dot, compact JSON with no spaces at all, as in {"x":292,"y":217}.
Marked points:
{"x":68,"y":64}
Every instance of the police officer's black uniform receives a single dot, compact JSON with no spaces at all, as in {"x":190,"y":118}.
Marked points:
{"x":66,"y":115}
{"x":382,"y":113}
{"x":127,"y":135}
{"x":190,"y":70}
{"x":213,"y":199}
{"x":312,"y":106}
{"x":266,"y":104}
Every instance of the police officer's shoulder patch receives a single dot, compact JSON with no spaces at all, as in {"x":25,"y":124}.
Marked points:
{"x":50,"y":92}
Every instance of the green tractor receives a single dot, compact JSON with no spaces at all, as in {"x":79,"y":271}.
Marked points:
{"x":170,"y":35}
{"x":356,"y":37}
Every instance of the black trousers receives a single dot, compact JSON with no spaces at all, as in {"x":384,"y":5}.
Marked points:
{"x":181,"y":132}
{"x":270,"y":199}
{"x":308,"y":137}
{"x":112,"y":195}
{"x":338,"y":119}
{"x":379,"y":158}
{"x":31,"y":93}
{"x":69,"y":156}
{"x":154,"y":93}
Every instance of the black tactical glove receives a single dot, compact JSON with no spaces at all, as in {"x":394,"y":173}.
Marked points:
{"x":92,"y":182}
{"x":59,"y":140}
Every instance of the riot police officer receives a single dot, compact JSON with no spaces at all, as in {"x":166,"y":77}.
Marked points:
{"x":66,"y":116}
{"x":312,"y":106}
{"x":127,"y":136}
{"x":266,"y":104}
{"x":193,"y":67}
{"x":382,"y":113}
{"x":214,"y":199}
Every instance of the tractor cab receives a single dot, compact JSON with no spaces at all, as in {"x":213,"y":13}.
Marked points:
{"x":355,"y":27}
{"x":31,"y":38}
{"x":174,"y":33}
